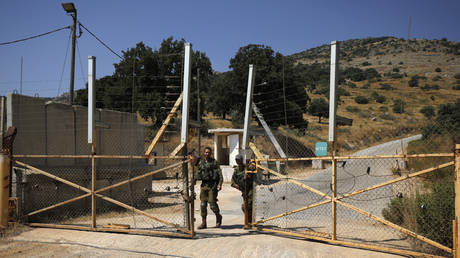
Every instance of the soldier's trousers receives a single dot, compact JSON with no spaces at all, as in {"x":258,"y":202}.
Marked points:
{"x":208,"y":194}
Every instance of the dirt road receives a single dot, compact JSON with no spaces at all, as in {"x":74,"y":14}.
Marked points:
{"x":229,"y":241}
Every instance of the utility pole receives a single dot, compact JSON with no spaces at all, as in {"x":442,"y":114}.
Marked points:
{"x":408,"y":30}
{"x":70,"y":8}
{"x":198,"y":114}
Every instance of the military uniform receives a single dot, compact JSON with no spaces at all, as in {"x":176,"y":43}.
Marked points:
{"x":239,"y":182}
{"x":211,"y":176}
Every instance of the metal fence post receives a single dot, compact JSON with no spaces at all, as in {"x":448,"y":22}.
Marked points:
{"x":91,"y":132}
{"x":184,"y":128}
{"x":457,"y":199}
{"x":332,"y":131}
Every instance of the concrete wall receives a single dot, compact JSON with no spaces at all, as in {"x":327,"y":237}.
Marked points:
{"x":54,"y":128}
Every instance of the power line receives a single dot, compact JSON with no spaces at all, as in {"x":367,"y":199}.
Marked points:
{"x":36,"y":36}
{"x":105,"y":45}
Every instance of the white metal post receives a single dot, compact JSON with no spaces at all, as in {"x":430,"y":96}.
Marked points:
{"x":186,"y":91}
{"x":333,"y":89}
{"x":91,"y":96}
{"x":248,"y":111}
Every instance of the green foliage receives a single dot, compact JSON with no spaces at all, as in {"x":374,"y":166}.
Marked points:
{"x":366,"y":63}
{"x":447,"y":121}
{"x":351,"y":85}
{"x":318,"y":107}
{"x":276,"y":78}
{"x":366,"y":86}
{"x":140,"y":80}
{"x":457,"y":76}
{"x":430,"y":87}
{"x":456,"y":87}
{"x":398,"y":106}
{"x":361,"y":100}
{"x":352,"y":109}
{"x":413,"y":82}
{"x":428,"y":112}
{"x":438,"y":70}
{"x":396,"y":70}
{"x":380,"y":99}
{"x":386,"y":86}
{"x":356,"y":74}
{"x":437,"y":78}
{"x":429,"y":214}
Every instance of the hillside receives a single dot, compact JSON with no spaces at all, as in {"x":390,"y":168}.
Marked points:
{"x":393,"y":79}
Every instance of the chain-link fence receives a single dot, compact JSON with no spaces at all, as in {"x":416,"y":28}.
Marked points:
{"x":134,"y":168}
{"x":393,"y":186}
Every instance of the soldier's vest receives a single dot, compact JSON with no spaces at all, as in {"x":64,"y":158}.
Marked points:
{"x":208,"y":171}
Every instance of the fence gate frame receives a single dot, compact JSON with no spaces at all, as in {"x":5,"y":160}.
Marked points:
{"x":333,"y":198}
{"x":97,"y":193}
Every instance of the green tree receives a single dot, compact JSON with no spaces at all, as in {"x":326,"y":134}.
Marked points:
{"x":275,"y":78}
{"x":149,"y":81}
{"x":399,"y":106}
{"x":319,"y":108}
{"x":428,"y":112}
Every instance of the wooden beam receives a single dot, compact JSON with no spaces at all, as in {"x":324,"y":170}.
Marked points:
{"x":292,"y":212}
{"x":140,"y":177}
{"x":311,"y":189}
{"x":79,"y":187}
{"x":59,"y":204}
{"x":351,"y":244}
{"x":165,"y":124}
{"x":130,"y":231}
{"x":419,"y":173}
{"x":141,"y":212}
{"x":177,"y":149}
{"x":397,"y":227}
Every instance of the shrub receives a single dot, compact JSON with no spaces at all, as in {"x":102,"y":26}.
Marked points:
{"x":396,"y":70}
{"x":401,"y":62}
{"x":383,"y":109}
{"x":398,"y":106}
{"x":386,"y":116}
{"x":366,"y":63}
{"x":427,"y":111}
{"x":438,"y":70}
{"x":437,"y":78}
{"x":366,"y":86}
{"x":380,"y":99}
{"x":457,"y":76}
{"x":351,"y":85}
{"x":361,"y":100}
{"x":386,"y":86}
{"x":413,"y":82}
{"x":352,"y":109}
{"x":456,"y":87}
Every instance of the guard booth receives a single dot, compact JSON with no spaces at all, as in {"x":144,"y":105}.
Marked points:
{"x":227,"y":144}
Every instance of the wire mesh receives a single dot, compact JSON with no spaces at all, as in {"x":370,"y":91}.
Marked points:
{"x":149,"y":193}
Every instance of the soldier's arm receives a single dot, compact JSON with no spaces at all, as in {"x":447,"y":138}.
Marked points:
{"x":221,"y":177}
{"x":234,"y":184}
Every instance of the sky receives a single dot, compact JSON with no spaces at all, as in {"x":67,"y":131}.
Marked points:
{"x":217,"y":27}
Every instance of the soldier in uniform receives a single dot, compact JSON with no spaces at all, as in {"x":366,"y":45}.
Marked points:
{"x":211,"y":183}
{"x":239,"y":182}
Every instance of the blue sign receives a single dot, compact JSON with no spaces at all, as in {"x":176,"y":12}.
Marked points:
{"x":321,"y":149}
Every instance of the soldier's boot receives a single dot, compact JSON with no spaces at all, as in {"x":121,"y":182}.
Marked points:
{"x":203,"y":223}
{"x":218,"y":220}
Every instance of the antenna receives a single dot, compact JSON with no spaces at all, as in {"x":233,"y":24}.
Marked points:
{"x":408,"y":30}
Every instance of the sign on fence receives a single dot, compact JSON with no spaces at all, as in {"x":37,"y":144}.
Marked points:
{"x":321,"y":149}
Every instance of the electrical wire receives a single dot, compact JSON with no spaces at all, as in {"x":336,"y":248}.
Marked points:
{"x":63,"y":65}
{"x":100,"y":41}
{"x":36,"y":36}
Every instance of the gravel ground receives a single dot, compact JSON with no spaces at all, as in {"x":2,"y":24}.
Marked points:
{"x":229,"y":241}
